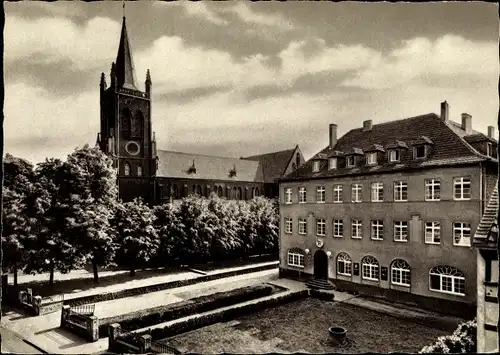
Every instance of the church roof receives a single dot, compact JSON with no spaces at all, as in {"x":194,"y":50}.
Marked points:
{"x":179,"y":165}
{"x":125,"y":73}
{"x":274,"y":164}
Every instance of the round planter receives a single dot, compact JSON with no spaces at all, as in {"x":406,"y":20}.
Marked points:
{"x":337,"y":333}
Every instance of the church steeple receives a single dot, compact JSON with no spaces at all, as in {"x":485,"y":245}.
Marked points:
{"x":125,"y":73}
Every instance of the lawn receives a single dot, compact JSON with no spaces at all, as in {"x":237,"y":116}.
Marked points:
{"x":303,"y":326}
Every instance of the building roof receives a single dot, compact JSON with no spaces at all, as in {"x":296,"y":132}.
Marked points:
{"x":125,"y":73}
{"x":449,"y":148}
{"x":488,"y":220}
{"x":273,"y":164}
{"x":177,"y":165}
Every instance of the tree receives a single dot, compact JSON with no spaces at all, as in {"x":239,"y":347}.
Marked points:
{"x":137,"y":236}
{"x":50,"y":247}
{"x":90,"y":182}
{"x":14,"y":168}
{"x":265,"y":215}
{"x":463,"y":340}
{"x":167,"y":226}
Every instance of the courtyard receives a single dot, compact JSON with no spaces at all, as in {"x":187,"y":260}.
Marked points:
{"x":303,"y":326}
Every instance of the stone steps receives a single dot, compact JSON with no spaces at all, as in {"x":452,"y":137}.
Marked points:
{"x":320,"y":284}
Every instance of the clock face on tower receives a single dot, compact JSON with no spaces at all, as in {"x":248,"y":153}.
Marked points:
{"x":132,"y":148}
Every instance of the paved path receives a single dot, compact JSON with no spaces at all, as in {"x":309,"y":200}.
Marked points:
{"x":14,"y":344}
{"x":155,"y":299}
{"x":44,"y":330}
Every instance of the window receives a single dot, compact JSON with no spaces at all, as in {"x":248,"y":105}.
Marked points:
{"x":461,"y":234}
{"x":447,"y":279}
{"x":419,"y":152}
{"x":297,"y":160}
{"x":288,"y":195}
{"x":400,"y":191}
{"x":137,"y":124}
{"x":302,"y":195}
{"x":126,"y":169}
{"x":432,"y":190}
{"x":338,"y":228}
{"x":370,"y":268}
{"x":320,"y":194}
{"x":139,"y":170}
{"x":344,"y":264}
{"x":126,"y":123}
{"x":357,"y":229}
{"x":378,"y":230}
{"x":316,"y":166}
{"x":489,"y":149}
{"x":332,"y":163}
{"x":337,"y":194}
{"x":462,"y":188}
{"x":432,"y":232}
{"x":400,"y":273}
{"x":295,"y":259}
{"x":288,"y":225}
{"x":302,"y":226}
{"x":371,"y":159}
{"x":351,"y":161}
{"x":394,"y":155}
{"x":356,"y":191}
{"x":320,"y":227}
{"x":401,"y":231}
{"x":377,"y":192}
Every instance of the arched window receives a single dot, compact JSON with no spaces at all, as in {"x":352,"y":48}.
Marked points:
{"x":239,"y":195}
{"x":447,"y":279}
{"x":126,"y":123}
{"x":256,"y":192}
{"x":139,"y":170}
{"x":193,"y":191}
{"x":175,"y":192}
{"x":137,"y":124}
{"x":370,"y":268}
{"x":296,"y":257}
{"x":220,"y":191}
{"x":206,"y":191}
{"x":400,"y":273}
{"x":126,"y":169}
{"x":185,"y":191}
{"x":198,"y":190}
{"x":344,"y":264}
{"x":297,"y":160}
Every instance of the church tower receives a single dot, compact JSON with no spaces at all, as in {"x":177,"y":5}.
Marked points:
{"x":126,"y":133}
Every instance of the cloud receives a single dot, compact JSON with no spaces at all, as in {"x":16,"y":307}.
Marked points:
{"x":421,"y":58}
{"x":188,"y":95}
{"x":244,"y":12}
{"x":199,"y":9}
{"x":52,"y":40}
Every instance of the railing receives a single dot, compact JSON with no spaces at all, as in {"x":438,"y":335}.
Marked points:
{"x":84,"y":309}
{"x":53,"y":299}
{"x":161,"y":348}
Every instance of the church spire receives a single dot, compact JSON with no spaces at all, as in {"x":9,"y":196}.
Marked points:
{"x":125,"y":74}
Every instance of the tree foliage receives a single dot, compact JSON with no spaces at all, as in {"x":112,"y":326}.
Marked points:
{"x":463,"y":340}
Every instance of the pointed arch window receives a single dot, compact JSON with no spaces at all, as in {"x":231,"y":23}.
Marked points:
{"x":220,"y":192}
{"x":297,"y":160}
{"x":139,"y":170}
{"x":198,"y":190}
{"x":126,"y":169}
{"x":137,"y":124}
{"x":175,"y":192}
{"x":126,"y":123}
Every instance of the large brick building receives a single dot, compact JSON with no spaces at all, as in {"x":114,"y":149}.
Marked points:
{"x":390,"y":210}
{"x":159,"y":176}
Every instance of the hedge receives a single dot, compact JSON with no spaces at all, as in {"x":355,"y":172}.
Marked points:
{"x":321,"y":295}
{"x":223,"y":315}
{"x":157,"y":315}
{"x":160,"y":287}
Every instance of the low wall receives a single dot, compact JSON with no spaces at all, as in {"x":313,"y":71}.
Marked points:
{"x":119,"y":343}
{"x":454,"y":308}
{"x":86,"y":326}
{"x":164,"y":286}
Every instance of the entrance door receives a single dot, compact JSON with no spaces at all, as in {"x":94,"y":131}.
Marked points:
{"x":320,"y":265}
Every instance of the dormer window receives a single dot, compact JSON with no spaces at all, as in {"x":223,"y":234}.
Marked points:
{"x":316,"y":166}
{"x":394,"y":156}
{"x":419,"y":152}
{"x":351,"y":161}
{"x":332,"y":163}
{"x":371,"y":158}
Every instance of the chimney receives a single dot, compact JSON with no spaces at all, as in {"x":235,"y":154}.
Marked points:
{"x":333,"y":135}
{"x":445,"y":111}
{"x":491,"y":132}
{"x":367,"y":125}
{"x":467,"y":122}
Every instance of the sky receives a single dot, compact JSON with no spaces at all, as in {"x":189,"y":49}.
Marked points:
{"x":241,"y":78}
